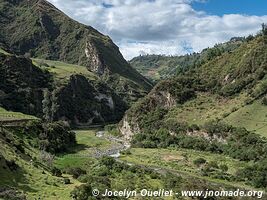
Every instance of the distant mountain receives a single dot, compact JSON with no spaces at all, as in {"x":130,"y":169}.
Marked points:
{"x":38,"y":29}
{"x":158,"y":67}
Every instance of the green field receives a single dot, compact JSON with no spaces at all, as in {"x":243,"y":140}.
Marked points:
{"x":9,"y":116}
{"x":63,"y":71}
{"x":182,"y":161}
{"x":35,"y":182}
{"x":81,"y":154}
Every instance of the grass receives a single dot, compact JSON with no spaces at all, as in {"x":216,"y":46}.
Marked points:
{"x":253,"y":117}
{"x":9,"y":116}
{"x":33,"y":181}
{"x":36,"y":182}
{"x":205,"y":107}
{"x":63,"y":71}
{"x":4,"y":52}
{"x":182,"y":161}
{"x":81,"y":154}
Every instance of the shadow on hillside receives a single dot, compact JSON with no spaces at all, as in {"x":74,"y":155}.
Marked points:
{"x":75,"y":149}
{"x":13,"y":176}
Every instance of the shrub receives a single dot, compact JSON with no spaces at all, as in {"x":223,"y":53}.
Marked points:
{"x":82,"y":192}
{"x":126,"y":152}
{"x":56,"y":172}
{"x":66,"y":181}
{"x":10,"y":193}
{"x":264,"y":101}
{"x":224,"y":167}
{"x":113,"y":129}
{"x":12,"y":165}
{"x":199,"y":161}
{"x":76,"y":172}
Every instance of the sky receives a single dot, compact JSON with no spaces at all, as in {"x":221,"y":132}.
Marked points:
{"x":168,"y":27}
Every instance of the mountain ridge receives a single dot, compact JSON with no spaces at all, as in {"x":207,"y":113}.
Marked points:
{"x":50,"y":34}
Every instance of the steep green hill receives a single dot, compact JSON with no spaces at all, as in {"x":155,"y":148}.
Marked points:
{"x":55,"y":90}
{"x":158,"y":67}
{"x":218,"y":107}
{"x":212,"y":91}
{"x":37,"y":29}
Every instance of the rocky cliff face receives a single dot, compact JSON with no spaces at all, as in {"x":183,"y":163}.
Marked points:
{"x":82,"y":102}
{"x":95,"y":63}
{"x":129,"y":127}
{"x":130,"y":124}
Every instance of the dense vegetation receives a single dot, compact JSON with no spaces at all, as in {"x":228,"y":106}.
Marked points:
{"x":21,"y":85}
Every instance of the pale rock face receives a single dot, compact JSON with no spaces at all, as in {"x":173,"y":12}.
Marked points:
{"x":109,"y":100}
{"x":94,"y":61}
{"x":127,"y":130}
{"x":165,"y":99}
{"x":130,"y":127}
{"x":207,"y":136}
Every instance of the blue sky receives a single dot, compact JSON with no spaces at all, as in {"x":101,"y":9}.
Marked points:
{"x":221,"y":7}
{"x":169,"y":27}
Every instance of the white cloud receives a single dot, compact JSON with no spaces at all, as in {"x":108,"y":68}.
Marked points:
{"x":158,"y":26}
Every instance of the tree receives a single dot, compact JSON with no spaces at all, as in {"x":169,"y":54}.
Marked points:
{"x":46,"y":105}
{"x":50,"y":105}
{"x":264,"y":29}
{"x":54,"y":105}
{"x":82,"y":192}
{"x":199,"y":161}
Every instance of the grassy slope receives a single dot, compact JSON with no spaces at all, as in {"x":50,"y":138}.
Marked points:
{"x":253,"y":117}
{"x":33,"y":181}
{"x":220,"y":76}
{"x":182,"y":161}
{"x":8,"y":115}
{"x":206,"y":107}
{"x":157,"y":67}
{"x":63,"y":71}
{"x":58,"y":37}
